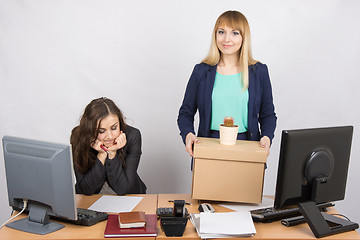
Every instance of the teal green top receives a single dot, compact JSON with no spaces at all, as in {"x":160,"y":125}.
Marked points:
{"x":229,"y":100}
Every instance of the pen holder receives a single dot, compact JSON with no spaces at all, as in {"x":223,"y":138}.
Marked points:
{"x":173,"y":226}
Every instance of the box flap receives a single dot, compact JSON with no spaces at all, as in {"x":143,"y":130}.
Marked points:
{"x":242,"y":151}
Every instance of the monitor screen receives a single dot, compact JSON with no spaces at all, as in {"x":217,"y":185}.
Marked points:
{"x":313,"y":168}
{"x":40,"y":173}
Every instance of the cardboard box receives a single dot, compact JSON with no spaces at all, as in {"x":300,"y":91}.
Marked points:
{"x":228,"y":173}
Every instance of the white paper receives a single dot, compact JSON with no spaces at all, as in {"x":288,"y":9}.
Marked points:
{"x":229,"y":223}
{"x":115,"y":204}
{"x":266,"y":202}
{"x":195,"y":220}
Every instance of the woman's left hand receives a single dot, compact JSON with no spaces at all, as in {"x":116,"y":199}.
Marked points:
{"x":119,"y":142}
{"x":265,"y":143}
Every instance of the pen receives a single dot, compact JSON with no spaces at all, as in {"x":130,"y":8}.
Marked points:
{"x":185,"y":202}
{"x":104,"y":148}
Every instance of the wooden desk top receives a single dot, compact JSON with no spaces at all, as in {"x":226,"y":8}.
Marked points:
{"x":267,"y":231}
{"x":148,"y":204}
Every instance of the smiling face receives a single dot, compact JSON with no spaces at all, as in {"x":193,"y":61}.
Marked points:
{"x":228,"y":40}
{"x":109,"y":130}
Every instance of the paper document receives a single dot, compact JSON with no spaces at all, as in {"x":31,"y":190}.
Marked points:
{"x":266,"y":202}
{"x":115,"y":204}
{"x":232,"y":223}
{"x":223,"y":225}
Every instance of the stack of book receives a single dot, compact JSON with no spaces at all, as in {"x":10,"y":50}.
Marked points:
{"x":223,"y":225}
{"x":131,"y":224}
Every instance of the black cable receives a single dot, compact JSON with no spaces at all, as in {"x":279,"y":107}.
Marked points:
{"x":337,"y":214}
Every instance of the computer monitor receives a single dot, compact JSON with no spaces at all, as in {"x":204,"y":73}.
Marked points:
{"x":42,"y":174}
{"x":313,"y":168}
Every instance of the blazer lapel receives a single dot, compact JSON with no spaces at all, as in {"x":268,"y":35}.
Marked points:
{"x":210,"y":80}
{"x":251,"y":91}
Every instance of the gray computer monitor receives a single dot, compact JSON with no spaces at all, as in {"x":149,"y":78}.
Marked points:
{"x":41,"y":173}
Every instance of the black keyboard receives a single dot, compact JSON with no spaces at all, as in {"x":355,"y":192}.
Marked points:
{"x":271,"y":214}
{"x":87,"y":217}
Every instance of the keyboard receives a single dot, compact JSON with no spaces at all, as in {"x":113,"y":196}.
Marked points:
{"x":271,"y":214}
{"x":87,"y":217}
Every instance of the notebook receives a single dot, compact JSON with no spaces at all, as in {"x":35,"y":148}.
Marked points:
{"x":132,"y":219}
{"x":113,"y":229}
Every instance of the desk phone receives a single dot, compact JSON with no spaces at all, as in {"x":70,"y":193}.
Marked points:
{"x":168,"y":212}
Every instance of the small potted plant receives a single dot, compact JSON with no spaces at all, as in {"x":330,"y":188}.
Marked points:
{"x":228,"y":131}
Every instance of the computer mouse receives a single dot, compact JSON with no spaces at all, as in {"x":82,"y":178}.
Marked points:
{"x":206,"y":207}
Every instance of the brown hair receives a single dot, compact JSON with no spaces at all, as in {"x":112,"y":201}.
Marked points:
{"x":85,"y":135}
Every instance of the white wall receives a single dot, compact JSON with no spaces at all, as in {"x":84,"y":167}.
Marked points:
{"x":56,"y":56}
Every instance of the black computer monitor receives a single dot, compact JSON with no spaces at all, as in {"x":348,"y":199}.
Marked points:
{"x":40,"y":173}
{"x":313,"y":168}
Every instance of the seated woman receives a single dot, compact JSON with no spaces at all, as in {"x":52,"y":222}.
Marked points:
{"x":106,"y":151}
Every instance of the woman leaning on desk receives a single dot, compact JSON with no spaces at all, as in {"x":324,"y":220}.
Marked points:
{"x":106,"y":151}
{"x":229,"y":82}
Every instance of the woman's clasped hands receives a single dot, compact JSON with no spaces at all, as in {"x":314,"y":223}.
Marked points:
{"x":104,"y":147}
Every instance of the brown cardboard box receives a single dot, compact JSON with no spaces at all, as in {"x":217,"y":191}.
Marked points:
{"x":228,"y":173}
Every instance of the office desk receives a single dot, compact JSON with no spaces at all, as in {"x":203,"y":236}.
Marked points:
{"x":148,"y":204}
{"x":266,"y":231}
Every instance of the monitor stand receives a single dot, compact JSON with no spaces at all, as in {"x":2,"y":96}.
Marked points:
{"x":323,"y":224}
{"x":37,"y":222}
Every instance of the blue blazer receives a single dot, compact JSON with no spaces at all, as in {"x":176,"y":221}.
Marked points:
{"x":198,"y":97}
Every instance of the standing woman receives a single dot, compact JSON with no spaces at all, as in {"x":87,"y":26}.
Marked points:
{"x":229,"y":82}
{"x":106,"y":151}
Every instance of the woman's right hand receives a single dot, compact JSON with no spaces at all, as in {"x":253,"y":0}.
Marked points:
{"x":101,"y":152}
{"x":189,"y":141}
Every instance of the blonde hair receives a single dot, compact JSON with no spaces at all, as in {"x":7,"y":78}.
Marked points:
{"x":238,"y":21}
